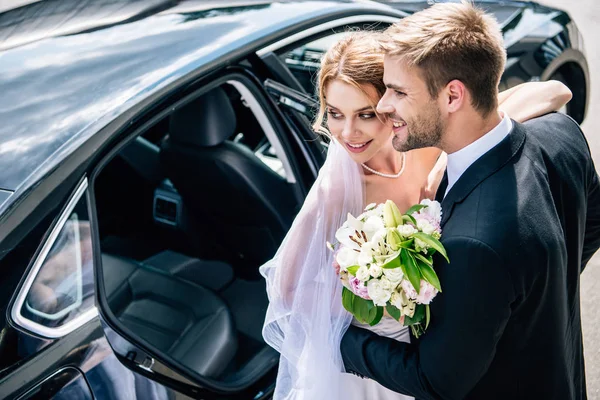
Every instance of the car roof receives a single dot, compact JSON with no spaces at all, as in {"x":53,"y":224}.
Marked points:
{"x":69,"y":67}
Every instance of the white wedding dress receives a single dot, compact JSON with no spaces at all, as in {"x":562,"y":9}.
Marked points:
{"x":305,"y":320}
{"x":368,"y":389}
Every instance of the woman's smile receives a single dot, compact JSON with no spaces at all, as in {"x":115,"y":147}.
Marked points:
{"x":358,"y":147}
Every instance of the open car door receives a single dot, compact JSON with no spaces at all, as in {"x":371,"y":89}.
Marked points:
{"x":202,"y":339}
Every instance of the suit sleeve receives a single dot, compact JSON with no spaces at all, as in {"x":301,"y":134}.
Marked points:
{"x":467,"y":320}
{"x":591,"y":241}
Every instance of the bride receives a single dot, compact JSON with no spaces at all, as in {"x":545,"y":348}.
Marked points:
{"x":305,"y":320}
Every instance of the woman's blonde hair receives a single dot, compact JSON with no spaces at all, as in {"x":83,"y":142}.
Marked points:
{"x":357,"y":59}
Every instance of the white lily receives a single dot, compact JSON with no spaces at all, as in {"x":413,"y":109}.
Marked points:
{"x":373,"y":225}
{"x":350,"y":233}
{"x":346,"y":257}
{"x":365,"y":258}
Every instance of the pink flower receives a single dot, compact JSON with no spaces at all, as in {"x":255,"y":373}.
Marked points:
{"x":336,"y":266}
{"x":432,"y":211}
{"x":426,"y":292}
{"x":358,"y":288}
{"x":409,"y":290}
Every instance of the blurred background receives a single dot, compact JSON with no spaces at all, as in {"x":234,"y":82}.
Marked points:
{"x":586,"y":14}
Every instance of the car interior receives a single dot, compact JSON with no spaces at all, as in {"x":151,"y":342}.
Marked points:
{"x":304,"y":61}
{"x":187,"y":212}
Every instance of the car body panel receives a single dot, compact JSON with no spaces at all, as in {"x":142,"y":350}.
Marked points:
{"x":88,"y":350}
{"x":4,"y":195}
{"x":57,"y":91}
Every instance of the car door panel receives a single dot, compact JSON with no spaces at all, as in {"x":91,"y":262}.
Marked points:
{"x":65,"y":384}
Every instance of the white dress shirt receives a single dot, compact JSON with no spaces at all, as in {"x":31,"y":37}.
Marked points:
{"x":461,"y":160}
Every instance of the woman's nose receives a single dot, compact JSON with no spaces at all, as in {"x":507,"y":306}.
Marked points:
{"x":349,"y":129}
{"x":385,"y":106}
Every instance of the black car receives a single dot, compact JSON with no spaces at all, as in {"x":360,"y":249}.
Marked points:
{"x":152,"y":156}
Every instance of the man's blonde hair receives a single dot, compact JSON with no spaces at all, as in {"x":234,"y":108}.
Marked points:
{"x":452,"y":41}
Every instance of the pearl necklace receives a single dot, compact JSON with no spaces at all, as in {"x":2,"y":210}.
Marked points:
{"x":392,"y":176}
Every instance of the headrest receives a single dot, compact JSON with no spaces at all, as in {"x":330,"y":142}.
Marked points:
{"x":207,"y":121}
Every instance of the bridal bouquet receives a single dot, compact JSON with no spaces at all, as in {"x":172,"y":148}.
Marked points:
{"x":384,"y":259}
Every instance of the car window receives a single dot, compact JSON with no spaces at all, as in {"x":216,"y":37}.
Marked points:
{"x":60,"y":288}
{"x":252,"y":134}
{"x":304,"y":61}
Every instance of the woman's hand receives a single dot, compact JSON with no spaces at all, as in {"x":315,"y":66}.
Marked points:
{"x":434,"y":178}
{"x":533,"y":99}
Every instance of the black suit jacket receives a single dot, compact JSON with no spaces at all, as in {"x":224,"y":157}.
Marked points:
{"x":519,"y":226}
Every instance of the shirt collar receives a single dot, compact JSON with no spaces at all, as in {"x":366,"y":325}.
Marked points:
{"x":460,"y":161}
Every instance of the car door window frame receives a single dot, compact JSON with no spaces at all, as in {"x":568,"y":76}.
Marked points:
{"x":324,"y":28}
{"x":24,"y":290}
{"x":267,"y":127}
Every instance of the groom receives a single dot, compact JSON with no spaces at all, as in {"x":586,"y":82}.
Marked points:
{"x":521,"y":218}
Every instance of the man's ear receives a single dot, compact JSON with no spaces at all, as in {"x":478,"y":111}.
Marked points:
{"x":454,"y":95}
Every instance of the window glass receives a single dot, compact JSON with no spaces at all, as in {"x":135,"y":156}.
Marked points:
{"x":250,"y":132}
{"x":63,"y":287}
{"x":304,"y":61}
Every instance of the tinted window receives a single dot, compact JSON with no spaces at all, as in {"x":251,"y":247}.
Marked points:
{"x":304,"y":61}
{"x":63,"y":286}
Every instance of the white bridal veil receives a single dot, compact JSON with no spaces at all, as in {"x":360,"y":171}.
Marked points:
{"x":305,"y":320}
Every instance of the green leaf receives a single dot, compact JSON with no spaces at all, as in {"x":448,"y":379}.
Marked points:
{"x":352,"y":270}
{"x":402,"y":256}
{"x":415,"y":208}
{"x":426,"y":260}
{"x":427,"y":316}
{"x":433,"y":243}
{"x":407,"y":244}
{"x":412,"y":271}
{"x":361,"y":309}
{"x":409,"y":218}
{"x":377,"y":317}
{"x":370,"y":305}
{"x":430,"y":276}
{"x":393,"y":311}
{"x":347,"y":299}
{"x":417,"y":317}
{"x":393,"y":263}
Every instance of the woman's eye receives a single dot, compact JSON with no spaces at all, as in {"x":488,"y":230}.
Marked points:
{"x":366,"y":116}
{"x":334,"y":114}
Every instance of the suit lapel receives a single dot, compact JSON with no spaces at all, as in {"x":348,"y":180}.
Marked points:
{"x":485,"y":166}
{"x":439,"y":194}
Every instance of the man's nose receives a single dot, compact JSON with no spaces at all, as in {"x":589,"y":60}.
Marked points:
{"x":384,"y":106}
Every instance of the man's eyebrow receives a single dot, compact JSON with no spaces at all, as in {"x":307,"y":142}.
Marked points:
{"x":395,"y":87}
{"x":355,"y":111}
